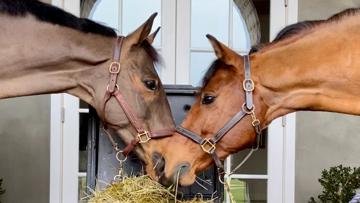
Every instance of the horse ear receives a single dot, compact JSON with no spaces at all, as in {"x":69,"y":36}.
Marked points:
{"x":152,"y":36}
{"x":223,"y":52}
{"x":141,"y":33}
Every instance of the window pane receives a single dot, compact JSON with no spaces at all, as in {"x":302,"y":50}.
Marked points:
{"x":106,"y":12}
{"x":253,"y":191}
{"x":83,"y":105}
{"x":82,"y":188}
{"x":135,"y":13}
{"x":256,"y":164}
{"x":209,"y":17}
{"x":84,"y":123}
{"x":200,"y":62}
{"x":241,"y":40}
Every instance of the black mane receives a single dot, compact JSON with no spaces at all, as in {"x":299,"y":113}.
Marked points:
{"x":300,"y":27}
{"x":47,"y":13}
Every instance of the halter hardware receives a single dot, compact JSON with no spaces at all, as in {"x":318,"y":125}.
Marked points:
{"x":116,"y":87}
{"x":255,"y":122}
{"x":113,"y":90}
{"x":208,"y":146}
{"x":144,"y":136}
{"x":248,"y":85}
{"x":115,"y":67}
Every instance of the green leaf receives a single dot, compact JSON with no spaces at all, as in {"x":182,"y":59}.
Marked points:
{"x":339,"y":184}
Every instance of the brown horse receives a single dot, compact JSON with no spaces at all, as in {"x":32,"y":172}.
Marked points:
{"x":312,"y":66}
{"x":46,"y":50}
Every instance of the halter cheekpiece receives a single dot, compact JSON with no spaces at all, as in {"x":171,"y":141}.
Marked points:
{"x":113,"y":90}
{"x":208,"y":145}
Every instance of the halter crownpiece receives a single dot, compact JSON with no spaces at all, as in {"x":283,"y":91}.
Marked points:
{"x":208,"y":145}
{"x":113,"y":90}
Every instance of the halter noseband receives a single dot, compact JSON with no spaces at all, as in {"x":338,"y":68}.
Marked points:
{"x":208,"y":145}
{"x":113,"y":90}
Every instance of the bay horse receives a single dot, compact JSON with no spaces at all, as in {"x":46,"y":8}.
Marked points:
{"x":45,"y":50}
{"x":313,"y":66}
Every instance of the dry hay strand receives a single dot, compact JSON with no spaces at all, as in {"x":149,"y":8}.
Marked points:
{"x":140,"y":189}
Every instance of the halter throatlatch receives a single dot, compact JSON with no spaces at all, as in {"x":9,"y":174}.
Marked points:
{"x":208,"y":145}
{"x":113,"y":90}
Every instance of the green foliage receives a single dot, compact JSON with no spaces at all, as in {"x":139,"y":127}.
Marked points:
{"x":339,"y":184}
{"x":2,"y":191}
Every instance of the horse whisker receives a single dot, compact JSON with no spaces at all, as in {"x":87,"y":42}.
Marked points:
{"x":156,"y":164}
{"x":204,"y":181}
{"x":197,"y":182}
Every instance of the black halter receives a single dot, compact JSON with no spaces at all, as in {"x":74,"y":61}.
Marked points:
{"x":208,"y":145}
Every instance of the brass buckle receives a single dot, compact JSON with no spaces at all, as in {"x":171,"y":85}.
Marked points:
{"x":114,"y":64}
{"x":246,"y":110}
{"x":250,"y":88}
{"x":116,"y":87}
{"x":255,"y":121}
{"x":143,"y":137}
{"x":208,"y":146}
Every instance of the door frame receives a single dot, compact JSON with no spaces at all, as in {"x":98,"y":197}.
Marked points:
{"x":282,"y":131}
{"x":65,"y":115}
{"x":64,"y":131}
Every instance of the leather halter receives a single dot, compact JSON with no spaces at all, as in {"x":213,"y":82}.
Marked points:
{"x":208,"y":145}
{"x":113,"y":90}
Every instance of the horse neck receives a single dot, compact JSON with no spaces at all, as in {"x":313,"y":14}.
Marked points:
{"x":318,"y":71}
{"x":40,"y":58}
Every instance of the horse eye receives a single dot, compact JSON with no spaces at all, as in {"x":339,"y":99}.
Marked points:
{"x":151,"y":84}
{"x":207,"y":99}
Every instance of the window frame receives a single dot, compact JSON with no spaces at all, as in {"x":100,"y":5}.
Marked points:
{"x":176,"y":16}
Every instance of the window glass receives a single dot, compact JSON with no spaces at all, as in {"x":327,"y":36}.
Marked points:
{"x":249,"y":190}
{"x":135,"y":12}
{"x":106,"y":12}
{"x":82,"y":188}
{"x":200,"y":62}
{"x":209,"y":17}
{"x":84,"y":129}
{"x":256,"y":164}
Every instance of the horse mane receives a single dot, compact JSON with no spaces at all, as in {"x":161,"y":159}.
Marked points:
{"x":293,"y":30}
{"x":301,"y":28}
{"x":51,"y":14}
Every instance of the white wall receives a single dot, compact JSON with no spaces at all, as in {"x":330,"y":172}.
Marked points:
{"x":24,"y":149}
{"x":323,"y":139}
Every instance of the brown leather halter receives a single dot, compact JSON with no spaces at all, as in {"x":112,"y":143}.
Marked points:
{"x":113,"y":90}
{"x":208,"y":145}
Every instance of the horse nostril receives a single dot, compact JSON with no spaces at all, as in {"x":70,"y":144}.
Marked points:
{"x":159,"y":164}
{"x":181,"y":170}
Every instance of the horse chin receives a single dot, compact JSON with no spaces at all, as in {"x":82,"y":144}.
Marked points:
{"x":151,"y":172}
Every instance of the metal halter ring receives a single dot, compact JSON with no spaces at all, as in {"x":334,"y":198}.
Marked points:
{"x":246,"y":110}
{"x":118,"y":158}
{"x":251,"y":87}
{"x":222,"y":181}
{"x":143,"y":136}
{"x":208,"y":146}
{"x":116,"y":87}
{"x":114,"y":64}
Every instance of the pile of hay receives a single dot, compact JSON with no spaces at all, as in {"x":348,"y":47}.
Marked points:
{"x":140,"y":189}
